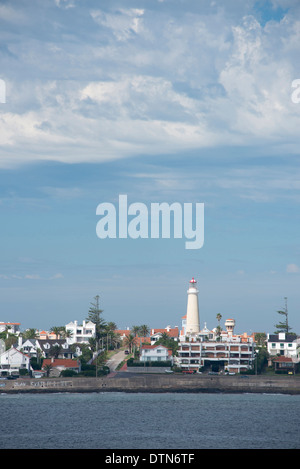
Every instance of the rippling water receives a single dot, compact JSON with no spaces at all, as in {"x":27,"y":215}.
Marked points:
{"x":156,"y":421}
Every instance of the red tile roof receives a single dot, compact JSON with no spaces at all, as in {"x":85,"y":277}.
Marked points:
{"x":65,"y":362}
{"x":172,"y":332}
{"x":282,"y":358}
{"x":152,"y":346}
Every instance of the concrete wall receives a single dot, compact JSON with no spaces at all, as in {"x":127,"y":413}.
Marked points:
{"x":156,"y":383}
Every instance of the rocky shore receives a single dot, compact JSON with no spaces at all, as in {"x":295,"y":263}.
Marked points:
{"x":156,"y":384}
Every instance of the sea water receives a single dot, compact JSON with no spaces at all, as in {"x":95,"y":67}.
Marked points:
{"x":144,"y":420}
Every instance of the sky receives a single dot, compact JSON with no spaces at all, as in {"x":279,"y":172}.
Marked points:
{"x":163,"y":101}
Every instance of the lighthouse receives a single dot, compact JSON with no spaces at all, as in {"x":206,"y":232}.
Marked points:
{"x":192,"y":314}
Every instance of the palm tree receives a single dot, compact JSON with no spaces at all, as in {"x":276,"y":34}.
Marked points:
{"x":48,"y":369}
{"x":144,"y":330}
{"x":56,"y":330}
{"x":135,"y":330}
{"x":30,"y":334}
{"x":55,"y":351}
{"x":130,"y":342}
{"x":219,"y":329}
{"x":66,"y":333}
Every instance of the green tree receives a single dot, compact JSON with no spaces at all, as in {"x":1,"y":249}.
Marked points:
{"x":219,"y":328}
{"x":95,"y":317}
{"x":283,"y":326}
{"x":48,"y":369}
{"x":66,"y":333}
{"x":55,"y":351}
{"x":144,"y":330}
{"x":56,"y":330}
{"x":260,"y":338}
{"x":168,"y":342}
{"x":130,"y":342}
{"x":135,"y":330}
{"x":29,"y":334}
{"x":261,"y":360}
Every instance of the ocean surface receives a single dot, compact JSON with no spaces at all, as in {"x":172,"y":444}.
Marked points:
{"x":149,"y":421}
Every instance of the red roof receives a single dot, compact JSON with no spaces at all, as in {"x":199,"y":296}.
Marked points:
{"x":123,"y":331}
{"x":282,"y":358}
{"x":152,"y":346}
{"x":65,"y":362}
{"x":172,"y":332}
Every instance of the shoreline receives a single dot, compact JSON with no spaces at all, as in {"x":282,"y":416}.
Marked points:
{"x":158,"y":383}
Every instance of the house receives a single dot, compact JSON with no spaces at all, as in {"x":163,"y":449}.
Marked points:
{"x":81,"y":333}
{"x":155,"y":353}
{"x":156,"y":334}
{"x":282,"y":344}
{"x":29,"y":347}
{"x":57,"y":365}
{"x":45,"y":348}
{"x":12,"y":327}
{"x":60,"y":347}
{"x":284,"y":364}
{"x":12,"y":361}
{"x":123,"y":333}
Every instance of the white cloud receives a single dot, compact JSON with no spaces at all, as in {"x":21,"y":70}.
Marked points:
{"x":292,"y":269}
{"x":191,"y":80}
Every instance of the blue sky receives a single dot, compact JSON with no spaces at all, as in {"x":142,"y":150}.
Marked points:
{"x":165,"y":101}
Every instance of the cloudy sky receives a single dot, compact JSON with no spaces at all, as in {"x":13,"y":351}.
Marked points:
{"x":165,"y":101}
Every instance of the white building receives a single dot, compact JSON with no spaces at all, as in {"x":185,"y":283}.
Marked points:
{"x":12,"y":361}
{"x":199,"y":348}
{"x":81,"y":333}
{"x":155,"y":353}
{"x":11,"y":327}
{"x":283,"y":344}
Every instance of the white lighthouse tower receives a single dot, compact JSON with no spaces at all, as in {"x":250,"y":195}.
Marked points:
{"x":192,"y":314}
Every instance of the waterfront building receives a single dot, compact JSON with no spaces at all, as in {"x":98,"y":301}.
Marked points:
{"x":81,"y":333}
{"x":283,"y":344}
{"x":12,"y":361}
{"x":46,"y":348}
{"x":58,"y":365}
{"x":205,"y":349}
{"x":155,"y":353}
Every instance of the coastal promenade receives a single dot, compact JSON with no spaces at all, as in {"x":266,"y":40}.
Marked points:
{"x":129,"y":382}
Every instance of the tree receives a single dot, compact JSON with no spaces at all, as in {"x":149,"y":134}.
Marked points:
{"x":95,"y":317}
{"x":168,"y":342}
{"x":219,"y":328}
{"x":66,"y":333}
{"x":55,"y":351}
{"x":144,"y":330}
{"x":48,"y":369}
{"x":30,"y":334}
{"x":130,"y":342}
{"x":284,"y":325}
{"x":261,"y":360}
{"x":135,"y":330}
{"x":260,"y":338}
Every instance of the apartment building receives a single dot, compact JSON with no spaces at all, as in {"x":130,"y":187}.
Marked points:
{"x":232,"y":355}
{"x":81,"y":333}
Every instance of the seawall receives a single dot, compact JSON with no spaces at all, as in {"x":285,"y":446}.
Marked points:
{"x":156,"y":384}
